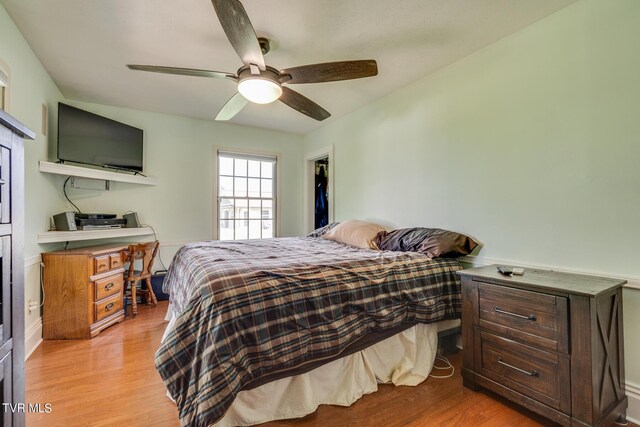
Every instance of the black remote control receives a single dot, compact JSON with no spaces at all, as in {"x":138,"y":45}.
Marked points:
{"x":507,"y":271}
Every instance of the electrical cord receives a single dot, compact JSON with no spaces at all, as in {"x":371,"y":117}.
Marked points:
{"x":156,"y":238}
{"x":448,"y":366}
{"x":64,"y":190}
{"x":42,"y":281}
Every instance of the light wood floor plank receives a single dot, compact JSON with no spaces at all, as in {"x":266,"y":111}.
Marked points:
{"x":111,"y":381}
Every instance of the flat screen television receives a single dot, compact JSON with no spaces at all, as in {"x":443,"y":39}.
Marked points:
{"x":87,"y":138}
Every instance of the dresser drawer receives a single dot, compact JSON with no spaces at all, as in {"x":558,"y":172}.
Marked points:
{"x":108,"y":286}
{"x":115,"y":261}
{"x":101,"y":264}
{"x":538,"y":374}
{"x":531,"y":317}
{"x":108,"y":306}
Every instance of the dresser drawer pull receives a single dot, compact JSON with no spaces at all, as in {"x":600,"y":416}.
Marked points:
{"x":533,"y":373}
{"x":108,"y":286}
{"x":2,"y":182}
{"x":102,"y":265}
{"x":109,"y":306}
{"x":529,"y":317}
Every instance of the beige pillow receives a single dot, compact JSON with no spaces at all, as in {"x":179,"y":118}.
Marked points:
{"x":355,"y":233}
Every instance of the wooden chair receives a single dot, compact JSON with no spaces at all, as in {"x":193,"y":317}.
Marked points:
{"x":147,"y":253}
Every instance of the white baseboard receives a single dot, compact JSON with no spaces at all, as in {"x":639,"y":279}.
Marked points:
{"x":33,"y":337}
{"x":33,"y":333}
{"x":633,"y":393}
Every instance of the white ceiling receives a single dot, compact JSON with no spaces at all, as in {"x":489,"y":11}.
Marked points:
{"x":85,"y":44}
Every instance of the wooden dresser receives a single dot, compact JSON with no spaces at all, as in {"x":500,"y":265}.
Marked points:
{"x":552,"y":342}
{"x":12,"y":304}
{"x":82,"y":291}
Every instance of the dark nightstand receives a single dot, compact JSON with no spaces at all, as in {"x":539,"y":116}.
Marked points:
{"x":549,"y":341}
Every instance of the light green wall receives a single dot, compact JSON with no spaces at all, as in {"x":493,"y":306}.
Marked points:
{"x":532,"y":145}
{"x":178,"y":151}
{"x":30,"y":86}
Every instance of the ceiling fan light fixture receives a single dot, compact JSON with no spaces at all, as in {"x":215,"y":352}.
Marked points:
{"x":259,"y":90}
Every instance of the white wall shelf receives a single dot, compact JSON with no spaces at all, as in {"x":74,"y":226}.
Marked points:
{"x":79,"y":171}
{"x":73,"y":236}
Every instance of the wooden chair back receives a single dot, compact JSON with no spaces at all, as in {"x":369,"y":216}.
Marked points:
{"x":145,"y":252}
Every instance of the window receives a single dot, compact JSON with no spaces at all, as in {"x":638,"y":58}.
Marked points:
{"x":246,"y":196}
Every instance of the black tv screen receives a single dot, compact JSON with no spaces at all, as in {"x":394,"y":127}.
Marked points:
{"x":85,"y":137}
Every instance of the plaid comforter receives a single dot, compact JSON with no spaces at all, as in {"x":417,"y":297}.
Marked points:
{"x":252,"y":308}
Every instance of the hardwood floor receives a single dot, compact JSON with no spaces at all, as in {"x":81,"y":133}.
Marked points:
{"x":111,"y":381}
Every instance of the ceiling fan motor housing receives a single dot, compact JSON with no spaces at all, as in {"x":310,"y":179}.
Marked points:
{"x":261,"y":88}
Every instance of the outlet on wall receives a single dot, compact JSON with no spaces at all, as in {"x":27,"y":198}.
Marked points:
{"x":32,"y":305}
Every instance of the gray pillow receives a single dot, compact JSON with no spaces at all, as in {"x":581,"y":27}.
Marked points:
{"x":433,"y":242}
{"x":319,"y":232}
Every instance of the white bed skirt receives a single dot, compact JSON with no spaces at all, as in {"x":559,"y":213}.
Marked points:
{"x":403,"y":359}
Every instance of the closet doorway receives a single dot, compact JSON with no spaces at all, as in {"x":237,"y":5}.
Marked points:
{"x":321,"y":193}
{"x":319,"y":188}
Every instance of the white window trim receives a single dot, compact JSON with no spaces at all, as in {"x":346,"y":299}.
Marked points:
{"x":245,"y":152}
{"x":4,"y":78}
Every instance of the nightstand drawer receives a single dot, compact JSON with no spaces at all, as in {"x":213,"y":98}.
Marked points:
{"x":532,"y":372}
{"x":531,"y":317}
{"x":108,"y":286}
{"x":108,"y":306}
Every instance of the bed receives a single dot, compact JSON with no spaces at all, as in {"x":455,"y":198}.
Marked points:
{"x":304,"y":317}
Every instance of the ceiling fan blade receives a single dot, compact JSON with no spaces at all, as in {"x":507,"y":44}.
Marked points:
{"x":233,"y":106}
{"x":306,"y":106}
{"x":237,"y":26}
{"x":331,"y":71}
{"x":182,"y":71}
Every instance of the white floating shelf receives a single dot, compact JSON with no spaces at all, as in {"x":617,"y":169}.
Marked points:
{"x":79,"y":171}
{"x":72,"y":236}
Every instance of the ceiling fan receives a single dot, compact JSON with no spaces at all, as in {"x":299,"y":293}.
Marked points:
{"x":259,"y":83}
